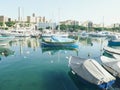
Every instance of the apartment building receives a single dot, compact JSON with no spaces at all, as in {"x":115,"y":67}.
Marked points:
{"x":3,"y":19}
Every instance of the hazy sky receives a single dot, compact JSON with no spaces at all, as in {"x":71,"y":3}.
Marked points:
{"x":81,"y":10}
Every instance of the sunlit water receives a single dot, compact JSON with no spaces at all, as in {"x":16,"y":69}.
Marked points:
{"x":25,"y":65}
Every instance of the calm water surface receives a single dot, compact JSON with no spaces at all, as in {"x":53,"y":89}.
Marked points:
{"x":25,"y":65}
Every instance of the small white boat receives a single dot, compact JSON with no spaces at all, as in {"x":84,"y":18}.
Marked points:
{"x":20,"y":33}
{"x":49,"y":33}
{"x":98,"y":34}
{"x":91,"y":71}
{"x":112,"y":65}
{"x":112,"y":50}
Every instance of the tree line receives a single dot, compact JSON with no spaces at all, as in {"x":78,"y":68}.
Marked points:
{"x":75,"y":28}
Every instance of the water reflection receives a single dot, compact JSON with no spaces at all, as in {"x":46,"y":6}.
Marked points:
{"x":5,"y":51}
{"x":81,"y":85}
{"x":91,"y":47}
{"x":33,"y":67}
{"x":86,"y":41}
{"x":53,"y":50}
{"x":25,"y":42}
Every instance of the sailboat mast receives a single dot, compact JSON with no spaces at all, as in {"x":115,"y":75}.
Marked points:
{"x":18,"y":14}
{"x":59,"y":19}
{"x":103,"y":24}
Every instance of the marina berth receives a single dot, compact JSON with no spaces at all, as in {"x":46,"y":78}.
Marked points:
{"x":91,"y":71}
{"x":112,"y":65}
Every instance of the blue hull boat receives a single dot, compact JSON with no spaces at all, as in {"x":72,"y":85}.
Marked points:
{"x":73,"y":45}
{"x":114,"y":43}
{"x":59,"y":42}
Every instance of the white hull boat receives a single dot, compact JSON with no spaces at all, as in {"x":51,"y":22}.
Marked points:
{"x":112,"y":50}
{"x":112,"y":65}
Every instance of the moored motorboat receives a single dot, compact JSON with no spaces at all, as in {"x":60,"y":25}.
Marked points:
{"x":115,"y":40}
{"x":98,"y":34}
{"x":59,"y":42}
{"x":112,"y":50}
{"x":49,"y":33}
{"x":91,"y":71}
{"x":112,"y":65}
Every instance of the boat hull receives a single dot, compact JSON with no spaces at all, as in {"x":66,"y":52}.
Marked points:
{"x":102,"y":86}
{"x":55,"y":41}
{"x":45,"y":44}
{"x":114,"y":43}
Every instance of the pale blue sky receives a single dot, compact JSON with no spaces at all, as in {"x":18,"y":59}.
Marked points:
{"x":81,"y":10}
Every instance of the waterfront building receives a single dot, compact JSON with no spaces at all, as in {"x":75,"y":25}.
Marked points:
{"x":44,"y":25}
{"x":40,"y":19}
{"x":89,"y":25}
{"x":28,"y":19}
{"x":97,"y":25}
{"x":70,"y":22}
{"x":44,"y":19}
{"x":33,"y":15}
{"x":35,"y":19}
{"x":116,"y":25}
{"x":3,"y":19}
{"x":31,"y":19}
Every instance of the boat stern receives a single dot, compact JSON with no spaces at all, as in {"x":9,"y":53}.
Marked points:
{"x":106,"y":85}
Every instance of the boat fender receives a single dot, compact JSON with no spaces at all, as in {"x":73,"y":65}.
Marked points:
{"x":67,"y":57}
{"x":73,"y":72}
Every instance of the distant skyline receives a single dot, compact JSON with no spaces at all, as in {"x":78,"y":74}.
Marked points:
{"x":59,"y":10}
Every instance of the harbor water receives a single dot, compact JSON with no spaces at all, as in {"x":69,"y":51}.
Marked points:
{"x":25,"y":65}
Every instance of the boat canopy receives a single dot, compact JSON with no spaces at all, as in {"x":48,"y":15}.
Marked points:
{"x":61,"y":39}
{"x":90,"y":70}
{"x":112,"y":63}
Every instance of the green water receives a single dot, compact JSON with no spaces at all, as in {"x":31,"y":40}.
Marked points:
{"x":28,"y":66}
